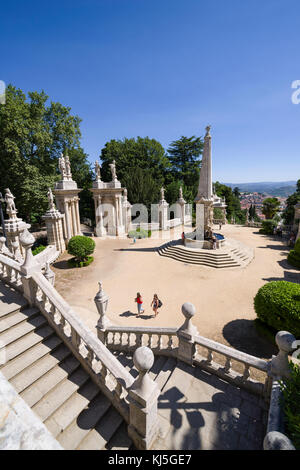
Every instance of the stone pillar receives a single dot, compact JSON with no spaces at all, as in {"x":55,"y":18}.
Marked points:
{"x":186,"y":334}
{"x":54,"y":225}
{"x":143,"y":418}
{"x":163,"y":211}
{"x":100,"y":230}
{"x":101,"y":301}
{"x":286,"y":343}
{"x":14,"y":227}
{"x":49,"y":274}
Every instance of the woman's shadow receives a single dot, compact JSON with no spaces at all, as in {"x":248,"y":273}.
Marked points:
{"x":128,"y":313}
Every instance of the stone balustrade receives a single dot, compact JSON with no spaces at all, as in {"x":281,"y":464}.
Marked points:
{"x":160,"y":340}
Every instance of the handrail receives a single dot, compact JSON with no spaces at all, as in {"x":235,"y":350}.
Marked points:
{"x":142,"y":330}
{"x":102,"y":353}
{"x":227,"y":351}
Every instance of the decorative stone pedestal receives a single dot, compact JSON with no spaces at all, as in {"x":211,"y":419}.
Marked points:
{"x":67,"y":200}
{"x":14,"y":227}
{"x":54,"y":225}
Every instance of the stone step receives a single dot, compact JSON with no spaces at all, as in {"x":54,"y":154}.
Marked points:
{"x":39,"y":390}
{"x":18,"y":347}
{"x":22,"y":329}
{"x":15,"y":366}
{"x":120,"y":440}
{"x":102,"y":432}
{"x":72,"y":436}
{"x":157,"y":366}
{"x":71,"y":408}
{"x":165,"y":372}
{"x":59,"y":394}
{"x":203,"y":262}
{"x":17,"y":317}
{"x":32,"y":373}
{"x":11,"y":301}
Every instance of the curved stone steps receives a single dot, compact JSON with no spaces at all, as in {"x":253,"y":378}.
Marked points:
{"x":233,"y":255}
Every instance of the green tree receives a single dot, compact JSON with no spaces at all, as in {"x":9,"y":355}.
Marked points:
{"x":142,"y":152}
{"x":270,"y":207}
{"x":292,"y":200}
{"x":141,"y":186}
{"x":33,"y":133}
{"x":184,"y":155}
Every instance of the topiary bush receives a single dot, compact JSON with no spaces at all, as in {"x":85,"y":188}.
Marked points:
{"x":278,"y":305}
{"x":81,"y":247}
{"x":267,"y":227}
{"x":294,"y":255}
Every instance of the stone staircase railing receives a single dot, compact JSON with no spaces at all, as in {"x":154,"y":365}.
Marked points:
{"x":135,"y":399}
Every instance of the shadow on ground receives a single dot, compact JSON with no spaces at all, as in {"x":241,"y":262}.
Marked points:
{"x":63,"y":264}
{"x":242,"y":335}
{"x":128,"y":313}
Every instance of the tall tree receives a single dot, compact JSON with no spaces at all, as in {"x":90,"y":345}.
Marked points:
{"x":292,"y":200}
{"x":184,"y":155}
{"x":270,"y":207}
{"x":33,"y":133}
{"x":142,"y":152}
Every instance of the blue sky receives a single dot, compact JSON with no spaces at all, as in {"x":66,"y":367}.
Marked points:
{"x":168,"y":68}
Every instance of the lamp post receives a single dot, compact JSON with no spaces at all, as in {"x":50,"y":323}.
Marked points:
{"x":2,"y":218}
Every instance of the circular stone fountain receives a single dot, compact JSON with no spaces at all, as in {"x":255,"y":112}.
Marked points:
{"x":192,"y":242}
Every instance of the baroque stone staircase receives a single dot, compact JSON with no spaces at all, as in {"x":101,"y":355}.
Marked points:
{"x":52,"y":382}
{"x":233,"y":255}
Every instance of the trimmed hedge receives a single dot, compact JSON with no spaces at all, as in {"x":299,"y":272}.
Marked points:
{"x":291,"y":404}
{"x":81,"y":247}
{"x":139,"y":233}
{"x":278,"y":305}
{"x":267,"y":227}
{"x":294,"y":255}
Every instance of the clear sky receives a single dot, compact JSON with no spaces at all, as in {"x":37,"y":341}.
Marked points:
{"x":166,"y":68}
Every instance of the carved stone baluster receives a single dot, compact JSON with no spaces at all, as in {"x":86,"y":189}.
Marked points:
{"x":160,"y":342}
{"x":52,"y":310}
{"x":75,"y":338}
{"x":209,"y":358}
{"x":121,"y":338}
{"x":90,"y":356}
{"x":118,"y":391}
{"x":150,"y":340}
{"x":62,"y":323}
{"x":170,"y":342}
{"x":246,"y":374}
{"x":138,"y":342}
{"x":128,"y":340}
{"x":104,"y":373}
{"x":227,"y":367}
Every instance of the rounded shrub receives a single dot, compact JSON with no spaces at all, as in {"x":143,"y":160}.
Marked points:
{"x":278,"y":305}
{"x":267,"y":227}
{"x":38,"y":249}
{"x":81,"y":247}
{"x":294,"y":255}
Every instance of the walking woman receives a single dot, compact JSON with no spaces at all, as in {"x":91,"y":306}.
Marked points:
{"x":155,"y":304}
{"x":139,"y":302}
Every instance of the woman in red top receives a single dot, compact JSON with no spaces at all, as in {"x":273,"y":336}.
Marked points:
{"x":139,"y":302}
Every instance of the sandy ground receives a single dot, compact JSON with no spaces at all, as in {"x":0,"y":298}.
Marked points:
{"x":223,"y":297}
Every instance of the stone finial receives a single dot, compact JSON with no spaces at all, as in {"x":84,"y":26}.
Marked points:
{"x":101,"y":301}
{"x":27,"y":240}
{"x":286,"y":343}
{"x":10,"y":204}
{"x":62,"y":166}
{"x":162,"y":194}
{"x":275,"y":440}
{"x":188,"y":310}
{"x":68,"y":167}
{"x":143,"y":360}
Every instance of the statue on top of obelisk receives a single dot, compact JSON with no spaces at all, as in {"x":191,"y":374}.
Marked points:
{"x":50,"y":200}
{"x":97,"y":170}
{"x":113,"y":170}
